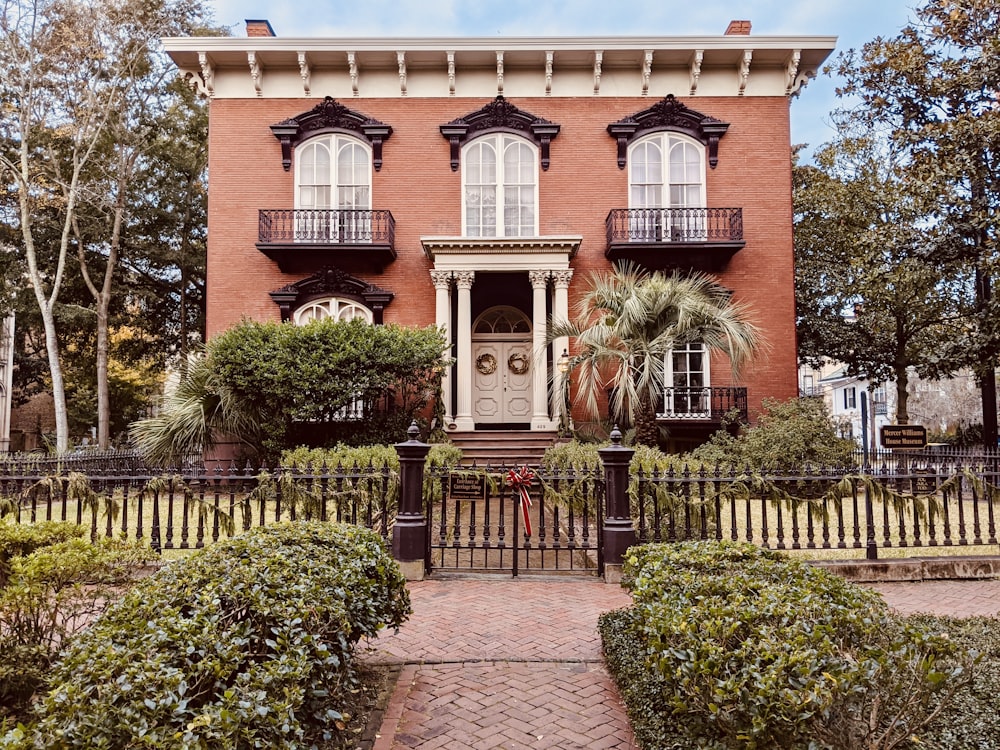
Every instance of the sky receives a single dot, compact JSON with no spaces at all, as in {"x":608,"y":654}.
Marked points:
{"x":854,"y":22}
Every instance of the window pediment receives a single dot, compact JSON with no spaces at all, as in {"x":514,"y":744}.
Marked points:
{"x":330,"y":115}
{"x":669,"y":114}
{"x":500,"y":114}
{"x":331,"y":282}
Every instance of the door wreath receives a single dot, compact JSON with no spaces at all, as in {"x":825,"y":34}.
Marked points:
{"x":518,"y":363}
{"x":486,"y":364}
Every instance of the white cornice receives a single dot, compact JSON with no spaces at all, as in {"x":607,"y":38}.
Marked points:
{"x":501,"y":253}
{"x":522,"y":66}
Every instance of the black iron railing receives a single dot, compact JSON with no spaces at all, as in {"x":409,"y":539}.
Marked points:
{"x":703,"y":403}
{"x":680,"y":225}
{"x":333,"y":226}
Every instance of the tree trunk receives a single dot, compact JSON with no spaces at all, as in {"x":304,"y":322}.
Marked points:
{"x":647,"y":432}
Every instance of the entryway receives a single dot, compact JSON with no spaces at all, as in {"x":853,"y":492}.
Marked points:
{"x":502,"y":368}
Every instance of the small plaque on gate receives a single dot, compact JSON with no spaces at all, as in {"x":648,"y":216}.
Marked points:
{"x":925,"y":481}
{"x":467,"y":486}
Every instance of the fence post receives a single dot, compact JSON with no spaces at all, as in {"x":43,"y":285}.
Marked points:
{"x":409,"y":534}
{"x":618,"y":531}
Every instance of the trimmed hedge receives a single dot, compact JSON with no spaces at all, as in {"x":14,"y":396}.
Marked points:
{"x":747,"y":649}
{"x":248,"y":643}
{"x":54,"y":583}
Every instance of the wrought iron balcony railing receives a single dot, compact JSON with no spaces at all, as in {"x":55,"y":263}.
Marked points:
{"x":659,"y":238}
{"x":337,"y":226}
{"x":308,"y":239}
{"x":668,"y":225}
{"x":703,"y":403}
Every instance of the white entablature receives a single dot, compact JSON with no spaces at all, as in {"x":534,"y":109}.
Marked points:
{"x":277,"y":67}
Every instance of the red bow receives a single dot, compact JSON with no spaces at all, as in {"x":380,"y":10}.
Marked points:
{"x":522,"y":480}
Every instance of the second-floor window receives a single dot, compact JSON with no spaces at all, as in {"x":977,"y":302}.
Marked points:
{"x":850,"y":398}
{"x":666,"y":177}
{"x":333,"y":171}
{"x":499,"y":179}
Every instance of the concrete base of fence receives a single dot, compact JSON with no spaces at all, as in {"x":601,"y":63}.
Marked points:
{"x":612,"y":573}
{"x":413,"y":570}
{"x":914,"y":568}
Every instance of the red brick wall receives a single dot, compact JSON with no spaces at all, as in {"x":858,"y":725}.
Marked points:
{"x":581,"y":186}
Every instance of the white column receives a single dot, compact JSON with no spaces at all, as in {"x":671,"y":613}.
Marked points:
{"x":539,"y":381}
{"x":463,"y":407}
{"x":560,"y":312}
{"x":442,"y":317}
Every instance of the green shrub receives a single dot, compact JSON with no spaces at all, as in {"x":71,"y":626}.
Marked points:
{"x":56,"y":584}
{"x":19,"y":539}
{"x":248,"y":643}
{"x":752,"y":650}
{"x":788,"y":435}
{"x":378,"y":456}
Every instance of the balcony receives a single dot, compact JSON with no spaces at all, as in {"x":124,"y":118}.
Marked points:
{"x":307,"y":240}
{"x":703,"y":404}
{"x":703,"y":239}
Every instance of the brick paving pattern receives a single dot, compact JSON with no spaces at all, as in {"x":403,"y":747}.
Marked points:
{"x":503,"y":664}
{"x":955,"y":598}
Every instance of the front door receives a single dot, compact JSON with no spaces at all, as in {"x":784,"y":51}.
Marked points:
{"x":501,"y":387}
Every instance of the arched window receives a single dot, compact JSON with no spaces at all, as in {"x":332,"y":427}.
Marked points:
{"x":333,"y":189}
{"x":500,"y":178}
{"x":667,"y":185}
{"x":332,"y":307}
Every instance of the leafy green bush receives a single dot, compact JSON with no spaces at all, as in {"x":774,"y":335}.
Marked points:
{"x":56,"y":583}
{"x":19,"y":539}
{"x":378,"y":456}
{"x":248,"y":643}
{"x":752,"y":650}
{"x":788,"y":435}
{"x":298,"y":379}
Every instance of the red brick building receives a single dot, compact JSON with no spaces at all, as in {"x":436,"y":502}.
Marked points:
{"x":477,"y":183}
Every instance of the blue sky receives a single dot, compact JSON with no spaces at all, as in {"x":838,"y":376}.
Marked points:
{"x":853,"y":21}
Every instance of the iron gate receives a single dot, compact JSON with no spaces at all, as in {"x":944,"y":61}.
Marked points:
{"x":475,"y":522}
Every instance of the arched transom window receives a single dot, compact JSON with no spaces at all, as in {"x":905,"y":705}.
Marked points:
{"x":500,"y":178}
{"x":332,"y":307}
{"x":502,"y":321}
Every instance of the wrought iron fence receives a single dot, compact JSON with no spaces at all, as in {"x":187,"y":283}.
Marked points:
{"x":911,"y":506}
{"x":190,"y":509}
{"x":916,"y":504}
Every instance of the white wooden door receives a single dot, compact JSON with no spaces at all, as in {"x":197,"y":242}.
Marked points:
{"x":501,"y":387}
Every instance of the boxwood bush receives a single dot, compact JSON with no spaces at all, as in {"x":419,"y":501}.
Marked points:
{"x":52,"y":584}
{"x":246,"y":644}
{"x":740,"y":647}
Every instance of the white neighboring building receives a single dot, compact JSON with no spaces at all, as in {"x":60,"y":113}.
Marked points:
{"x":844,"y":395}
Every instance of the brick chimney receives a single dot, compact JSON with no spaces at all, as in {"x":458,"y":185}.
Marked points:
{"x":736,"y":28}
{"x":261,"y":27}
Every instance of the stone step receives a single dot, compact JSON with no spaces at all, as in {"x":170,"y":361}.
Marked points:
{"x":508,"y":447}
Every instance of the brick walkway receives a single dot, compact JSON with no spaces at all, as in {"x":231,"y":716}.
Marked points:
{"x":501,"y":663}
{"x":955,"y":598}
{"x":516,"y":664}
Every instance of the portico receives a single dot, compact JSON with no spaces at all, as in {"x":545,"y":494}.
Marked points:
{"x":464,"y":266}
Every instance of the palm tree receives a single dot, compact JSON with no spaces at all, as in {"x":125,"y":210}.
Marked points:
{"x":626,"y":326}
{"x":193,"y":417}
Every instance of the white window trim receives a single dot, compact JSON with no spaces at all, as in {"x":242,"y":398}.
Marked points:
{"x":497,"y":139}
{"x":672,"y":413}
